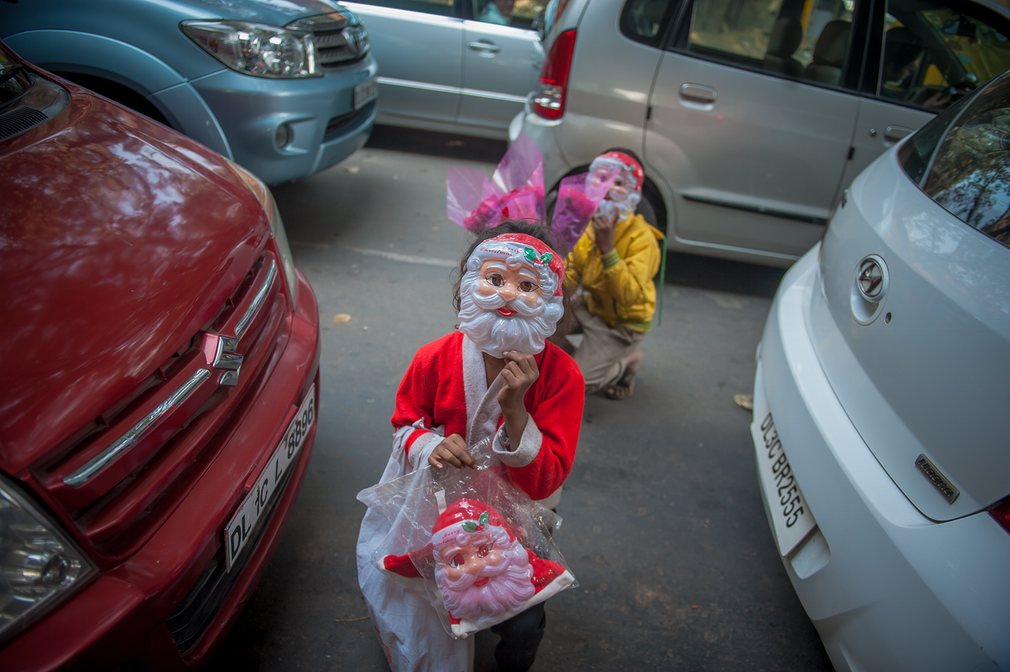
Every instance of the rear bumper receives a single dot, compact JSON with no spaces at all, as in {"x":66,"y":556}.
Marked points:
{"x":886,"y":588}
{"x":123,"y":617}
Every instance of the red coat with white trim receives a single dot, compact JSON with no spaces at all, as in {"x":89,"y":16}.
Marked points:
{"x":444,"y":391}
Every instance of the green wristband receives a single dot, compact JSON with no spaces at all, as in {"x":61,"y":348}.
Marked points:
{"x":611,"y":258}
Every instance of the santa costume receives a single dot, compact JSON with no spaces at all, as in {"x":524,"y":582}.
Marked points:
{"x":444,"y":392}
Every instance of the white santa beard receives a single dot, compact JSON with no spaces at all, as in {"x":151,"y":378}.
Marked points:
{"x":623,"y":208}
{"x":525,"y":332}
{"x":508,"y":587}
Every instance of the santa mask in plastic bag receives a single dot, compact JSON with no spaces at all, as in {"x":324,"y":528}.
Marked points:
{"x":625,"y":176}
{"x":510,"y":294}
{"x":480,"y":566}
{"x":516,"y":192}
{"x":482,"y":570}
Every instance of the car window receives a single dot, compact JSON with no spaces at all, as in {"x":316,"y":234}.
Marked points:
{"x":515,"y":13}
{"x":645,"y":21}
{"x":961,"y":159}
{"x":933,"y":52}
{"x":793,"y":38}
{"x":439,"y":7}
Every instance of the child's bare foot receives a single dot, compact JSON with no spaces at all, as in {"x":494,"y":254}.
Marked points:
{"x":625,"y":385}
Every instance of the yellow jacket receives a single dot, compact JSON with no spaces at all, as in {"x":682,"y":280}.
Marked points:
{"x":618,"y":288}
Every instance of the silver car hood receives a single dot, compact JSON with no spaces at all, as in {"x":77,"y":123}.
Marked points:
{"x":927,"y":381}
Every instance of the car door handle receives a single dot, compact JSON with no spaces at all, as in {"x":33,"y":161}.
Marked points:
{"x":697,"y":93}
{"x":484,"y":47}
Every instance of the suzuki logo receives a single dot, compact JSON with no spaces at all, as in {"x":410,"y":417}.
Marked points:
{"x":220,"y":353}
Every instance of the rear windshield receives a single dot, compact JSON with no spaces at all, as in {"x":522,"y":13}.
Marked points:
{"x":961,"y":159}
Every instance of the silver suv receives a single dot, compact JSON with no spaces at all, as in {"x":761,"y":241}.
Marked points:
{"x":751,"y":116}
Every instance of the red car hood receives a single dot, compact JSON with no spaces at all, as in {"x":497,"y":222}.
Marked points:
{"x":119,"y":240}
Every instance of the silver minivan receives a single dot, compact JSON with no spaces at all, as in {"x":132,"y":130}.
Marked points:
{"x":463,"y":66}
{"x":751,"y":116}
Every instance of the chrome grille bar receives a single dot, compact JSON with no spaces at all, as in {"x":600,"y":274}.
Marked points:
{"x":257,"y":303}
{"x":127,"y":440}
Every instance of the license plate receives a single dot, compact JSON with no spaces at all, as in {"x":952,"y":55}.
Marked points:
{"x":365,"y":93}
{"x":242,"y":527}
{"x":791,"y":517}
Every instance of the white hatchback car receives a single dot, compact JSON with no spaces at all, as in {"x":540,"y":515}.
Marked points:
{"x":882,"y":405}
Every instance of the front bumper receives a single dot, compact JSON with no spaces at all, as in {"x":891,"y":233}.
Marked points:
{"x":239,"y":116}
{"x":886,"y":588}
{"x":131,"y":616}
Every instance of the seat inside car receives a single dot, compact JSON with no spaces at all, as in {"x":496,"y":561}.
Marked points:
{"x":829,"y":53}
{"x":785,"y":38}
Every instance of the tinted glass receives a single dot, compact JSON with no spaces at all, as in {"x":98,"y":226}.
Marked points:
{"x":515,"y":13}
{"x":968,"y":173}
{"x":645,"y":21}
{"x":440,"y":7}
{"x":807,"y":39}
{"x":934,"y":52}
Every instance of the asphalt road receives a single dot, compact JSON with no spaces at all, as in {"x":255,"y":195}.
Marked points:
{"x":663,"y":523}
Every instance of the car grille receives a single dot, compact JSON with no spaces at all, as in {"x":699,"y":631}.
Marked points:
{"x":339,"y":41}
{"x":192,"y":616}
{"x":122,"y":475}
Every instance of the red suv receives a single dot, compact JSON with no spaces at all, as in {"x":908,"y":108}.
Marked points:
{"x":159,"y":379}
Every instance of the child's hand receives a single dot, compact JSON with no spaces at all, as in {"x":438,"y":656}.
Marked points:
{"x":452,"y":450}
{"x":604,"y":221}
{"x":519,"y":373}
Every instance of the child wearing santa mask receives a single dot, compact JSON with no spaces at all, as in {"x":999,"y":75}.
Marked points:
{"x":614,"y":263}
{"x":497,"y":376}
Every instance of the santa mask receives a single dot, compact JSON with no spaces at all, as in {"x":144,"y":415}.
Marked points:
{"x":477,"y":561}
{"x":510,"y":295}
{"x":481,"y":568}
{"x":624,"y":175}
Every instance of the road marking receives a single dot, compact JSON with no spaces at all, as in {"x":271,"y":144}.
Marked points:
{"x":407,"y":258}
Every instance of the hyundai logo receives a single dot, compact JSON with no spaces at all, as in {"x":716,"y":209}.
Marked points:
{"x":871,"y":278}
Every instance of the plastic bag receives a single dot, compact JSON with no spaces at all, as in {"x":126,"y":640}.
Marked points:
{"x":516,"y":191}
{"x":479,"y":547}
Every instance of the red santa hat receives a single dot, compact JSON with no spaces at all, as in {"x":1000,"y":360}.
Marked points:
{"x":463,"y":517}
{"x":530,"y":250}
{"x":627,"y":164}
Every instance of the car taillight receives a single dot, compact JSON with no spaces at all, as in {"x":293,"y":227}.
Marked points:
{"x":549,"y":101}
{"x":1001,"y":512}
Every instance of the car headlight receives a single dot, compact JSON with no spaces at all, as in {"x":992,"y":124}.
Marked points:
{"x":39,"y":565}
{"x":266,"y":200}
{"x":257,"y":49}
